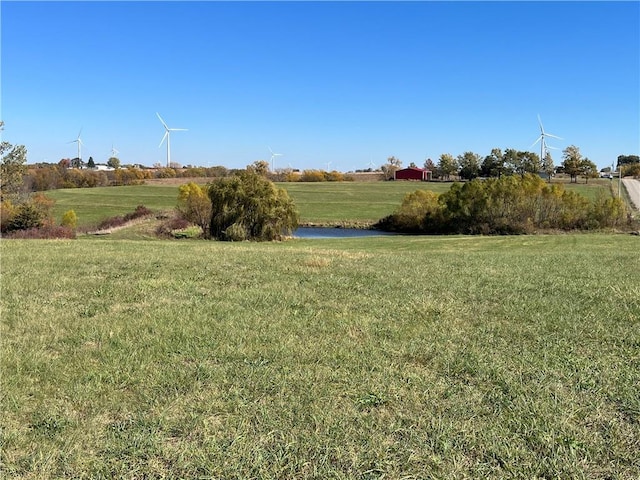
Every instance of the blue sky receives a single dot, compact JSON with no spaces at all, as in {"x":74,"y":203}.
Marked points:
{"x":350,"y":83}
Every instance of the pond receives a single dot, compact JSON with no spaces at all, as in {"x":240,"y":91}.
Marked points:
{"x":333,"y":232}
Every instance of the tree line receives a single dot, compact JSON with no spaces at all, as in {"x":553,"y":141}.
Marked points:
{"x":498,"y":163}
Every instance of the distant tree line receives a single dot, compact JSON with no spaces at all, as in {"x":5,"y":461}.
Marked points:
{"x":508,"y":205}
{"x":470,"y":165}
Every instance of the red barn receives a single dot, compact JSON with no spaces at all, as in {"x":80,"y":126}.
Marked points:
{"x":412,"y":173}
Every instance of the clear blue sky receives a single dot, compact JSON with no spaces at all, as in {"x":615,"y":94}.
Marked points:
{"x":350,"y":83}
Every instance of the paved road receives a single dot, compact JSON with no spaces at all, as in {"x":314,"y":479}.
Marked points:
{"x":633,"y":187}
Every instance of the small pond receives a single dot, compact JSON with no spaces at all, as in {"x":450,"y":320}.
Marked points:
{"x":333,"y":232}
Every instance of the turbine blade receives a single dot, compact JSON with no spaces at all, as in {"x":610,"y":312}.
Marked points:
{"x":549,"y":135}
{"x":178,"y":129}
{"x":166,"y":134}
{"x":539,"y":138}
{"x":161,"y":120}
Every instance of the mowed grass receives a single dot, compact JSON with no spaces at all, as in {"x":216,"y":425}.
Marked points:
{"x":388,"y":357}
{"x":352,"y":202}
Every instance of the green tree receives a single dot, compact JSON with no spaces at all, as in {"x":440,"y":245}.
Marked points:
{"x":12,"y":169}
{"x":588,"y":169}
{"x":493,"y":164}
{"x":447,"y":165}
{"x":247,"y":206}
{"x":522,"y":162}
{"x":627,"y":159}
{"x":547,"y":165}
{"x":469,"y":164}
{"x":571,"y":161}
{"x":91,"y":163}
{"x":113,"y":162}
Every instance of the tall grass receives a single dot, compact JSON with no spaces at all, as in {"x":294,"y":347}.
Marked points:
{"x":389,"y":357}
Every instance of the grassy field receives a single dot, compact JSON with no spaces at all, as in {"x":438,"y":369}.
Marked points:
{"x":389,"y":357}
{"x":353,"y":202}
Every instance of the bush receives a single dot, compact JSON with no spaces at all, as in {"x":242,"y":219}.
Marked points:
{"x":118,"y":221}
{"x":69,"y":219}
{"x":166,"y":228}
{"x":194,"y":205}
{"x":248,"y":206}
{"x":46,"y":232}
{"x":7,"y":213}
{"x":508,"y":205}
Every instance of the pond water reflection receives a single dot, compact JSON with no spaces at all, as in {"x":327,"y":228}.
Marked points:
{"x":332,"y":232}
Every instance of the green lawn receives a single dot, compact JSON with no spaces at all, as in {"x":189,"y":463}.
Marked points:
{"x":388,"y":357}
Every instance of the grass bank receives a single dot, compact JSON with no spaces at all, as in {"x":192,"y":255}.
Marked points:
{"x":389,"y":357}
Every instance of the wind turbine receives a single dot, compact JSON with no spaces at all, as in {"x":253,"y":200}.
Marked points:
{"x":114,"y":152}
{"x":79,"y":142}
{"x":273,"y":156}
{"x":167,"y":135}
{"x":543,"y":144}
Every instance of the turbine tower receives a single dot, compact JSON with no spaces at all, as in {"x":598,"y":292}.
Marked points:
{"x":114,"y":152}
{"x":167,"y":135}
{"x":543,"y":144}
{"x":79,"y":142}
{"x":273,"y":156}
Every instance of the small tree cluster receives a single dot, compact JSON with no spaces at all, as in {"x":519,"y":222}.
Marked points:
{"x":509,"y":205}
{"x":247,"y":206}
{"x":32,"y":218}
{"x":574,"y":165}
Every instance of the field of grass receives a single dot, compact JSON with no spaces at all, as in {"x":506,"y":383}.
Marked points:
{"x":321,"y":203}
{"x":388,"y":357}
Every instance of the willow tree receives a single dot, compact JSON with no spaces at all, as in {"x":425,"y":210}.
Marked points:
{"x":247,"y":206}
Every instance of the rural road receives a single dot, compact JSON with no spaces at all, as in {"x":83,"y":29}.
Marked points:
{"x":633,"y":187}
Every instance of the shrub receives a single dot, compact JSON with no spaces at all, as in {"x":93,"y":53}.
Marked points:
{"x":194,"y":205}
{"x":45,"y":232}
{"x":166,"y":228}
{"x":312,"y":176}
{"x":118,"y":221}
{"x":7,"y":213}
{"x":508,"y":205}
{"x":139,"y":212}
{"x":69,"y":219}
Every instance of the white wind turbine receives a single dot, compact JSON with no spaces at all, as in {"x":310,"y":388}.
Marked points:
{"x":79,"y":142}
{"x":167,"y":135}
{"x":543,"y":144}
{"x":114,"y":152}
{"x":273,"y":156}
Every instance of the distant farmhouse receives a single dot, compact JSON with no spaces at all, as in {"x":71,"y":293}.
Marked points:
{"x":103,"y":168}
{"x":412,"y":173}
